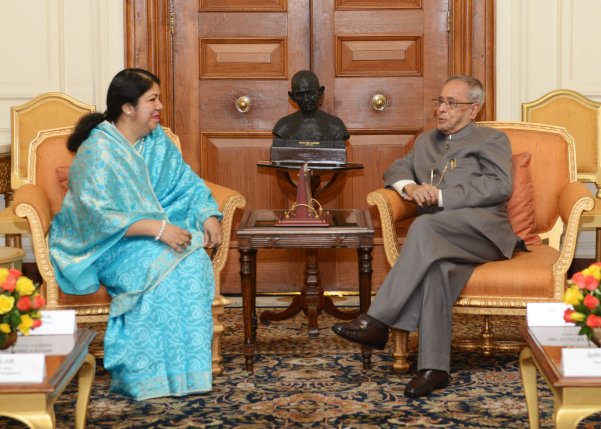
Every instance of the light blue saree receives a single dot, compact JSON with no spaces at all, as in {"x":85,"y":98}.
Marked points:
{"x":158,"y":338}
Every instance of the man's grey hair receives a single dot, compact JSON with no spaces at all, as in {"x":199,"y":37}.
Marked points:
{"x":477,"y":92}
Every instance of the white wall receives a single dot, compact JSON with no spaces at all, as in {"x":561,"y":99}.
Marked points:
{"x":70,"y":46}
{"x":544,"y":45}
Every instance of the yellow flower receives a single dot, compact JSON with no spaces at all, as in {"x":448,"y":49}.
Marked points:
{"x":573,"y":295}
{"x":25,"y":286}
{"x":6,"y":303}
{"x":5,"y":328}
{"x":578,"y":317}
{"x":3,"y":274}
{"x":25,"y":325}
{"x":593,"y":270}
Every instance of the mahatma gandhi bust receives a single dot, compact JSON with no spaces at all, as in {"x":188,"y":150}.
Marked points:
{"x":309,"y":123}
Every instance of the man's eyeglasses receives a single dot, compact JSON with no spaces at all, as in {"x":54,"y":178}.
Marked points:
{"x":451,"y":104}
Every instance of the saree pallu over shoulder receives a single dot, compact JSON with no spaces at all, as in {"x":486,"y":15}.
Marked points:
{"x":113,"y":184}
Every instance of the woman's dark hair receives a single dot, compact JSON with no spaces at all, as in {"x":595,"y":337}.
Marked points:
{"x":126,"y":87}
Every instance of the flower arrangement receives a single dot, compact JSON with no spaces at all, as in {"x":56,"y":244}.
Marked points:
{"x":20,"y":304}
{"x":584,"y":295}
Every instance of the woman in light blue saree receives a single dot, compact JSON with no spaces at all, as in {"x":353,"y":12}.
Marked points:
{"x":136,"y":218}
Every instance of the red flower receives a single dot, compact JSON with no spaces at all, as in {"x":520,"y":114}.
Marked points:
{"x":593,"y":321}
{"x":567,"y":315}
{"x":585,"y":282}
{"x":591,"y":302}
{"x":36,"y":323}
{"x":38,"y":302}
{"x":9,"y":284}
{"x":14,"y":272}
{"x":24,"y":303}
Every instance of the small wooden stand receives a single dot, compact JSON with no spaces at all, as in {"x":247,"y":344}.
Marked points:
{"x":303,"y":211}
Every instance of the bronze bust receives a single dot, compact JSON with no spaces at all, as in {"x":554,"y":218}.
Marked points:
{"x":309,"y":123}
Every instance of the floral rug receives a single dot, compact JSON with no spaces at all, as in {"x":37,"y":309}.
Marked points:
{"x":319,"y":383}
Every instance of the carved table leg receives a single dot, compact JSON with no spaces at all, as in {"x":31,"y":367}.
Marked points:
{"x":365,"y":270}
{"x":248,"y":280}
{"x":310,"y":299}
{"x":313,"y":293}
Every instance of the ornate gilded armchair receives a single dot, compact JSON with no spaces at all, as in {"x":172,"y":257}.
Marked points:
{"x":41,"y":198}
{"x":581,"y":117}
{"x":505,"y":287}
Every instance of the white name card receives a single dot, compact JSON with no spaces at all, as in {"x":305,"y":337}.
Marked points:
{"x":52,"y":345}
{"x":22,"y":368}
{"x":560,"y":336}
{"x":546,"y":314}
{"x":56,"y":322}
{"x":581,"y":362}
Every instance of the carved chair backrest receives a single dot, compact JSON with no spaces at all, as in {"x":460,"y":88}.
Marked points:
{"x":46,"y":111}
{"x":581,"y":117}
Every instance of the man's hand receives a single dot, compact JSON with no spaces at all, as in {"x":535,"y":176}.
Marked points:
{"x":424,"y":195}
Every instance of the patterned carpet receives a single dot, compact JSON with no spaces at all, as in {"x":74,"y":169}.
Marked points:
{"x":303,"y":383}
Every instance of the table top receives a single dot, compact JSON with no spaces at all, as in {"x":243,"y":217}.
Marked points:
{"x":349,"y":228}
{"x":546,"y":343}
{"x":342,"y":219}
{"x":64,"y":355}
{"x":314,"y":167}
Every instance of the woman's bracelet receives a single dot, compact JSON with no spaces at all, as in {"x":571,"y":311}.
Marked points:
{"x":161,"y":231}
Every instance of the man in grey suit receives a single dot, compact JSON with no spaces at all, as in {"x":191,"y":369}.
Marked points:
{"x":460,"y":177}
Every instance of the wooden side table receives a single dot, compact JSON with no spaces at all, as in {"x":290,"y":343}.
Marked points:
{"x":350,"y":229}
{"x":575,"y":397}
{"x":33,"y":404}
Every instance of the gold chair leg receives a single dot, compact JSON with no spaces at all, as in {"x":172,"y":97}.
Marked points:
{"x":400,"y":350}
{"x":13,"y":240}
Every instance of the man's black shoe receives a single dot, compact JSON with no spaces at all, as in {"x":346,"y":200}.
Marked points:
{"x":364,"y":330}
{"x":425,"y":382}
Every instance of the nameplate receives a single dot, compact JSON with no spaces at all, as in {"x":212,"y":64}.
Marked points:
{"x":22,"y":368}
{"x":546,"y":314}
{"x":51,"y":345}
{"x":56,"y":322}
{"x":581,"y":362}
{"x":559,"y":336}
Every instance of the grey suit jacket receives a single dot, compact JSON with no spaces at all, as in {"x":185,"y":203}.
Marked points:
{"x":472,"y":168}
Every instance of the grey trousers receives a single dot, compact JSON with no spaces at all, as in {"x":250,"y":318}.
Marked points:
{"x":436,"y":261}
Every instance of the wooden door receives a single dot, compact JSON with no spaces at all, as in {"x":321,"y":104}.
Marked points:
{"x":223,"y":50}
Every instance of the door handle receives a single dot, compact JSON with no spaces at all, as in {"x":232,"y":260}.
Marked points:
{"x":243,"y":104}
{"x":378,"y":102}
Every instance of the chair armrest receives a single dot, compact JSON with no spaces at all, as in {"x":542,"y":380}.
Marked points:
{"x":228,"y":201}
{"x":221,"y":194}
{"x":31,"y":202}
{"x":573,"y":200}
{"x":392,"y":208}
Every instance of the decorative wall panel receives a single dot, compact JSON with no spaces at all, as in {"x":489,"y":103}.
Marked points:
{"x":369,"y":55}
{"x":242,"y":5}
{"x":241,"y":58}
{"x":580,"y":60}
{"x":378,"y":4}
